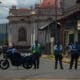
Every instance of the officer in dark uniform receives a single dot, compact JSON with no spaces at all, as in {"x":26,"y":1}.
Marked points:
{"x":36,"y":51}
{"x":58,"y":55}
{"x":74,"y":55}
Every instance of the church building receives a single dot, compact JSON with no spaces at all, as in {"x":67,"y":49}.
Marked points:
{"x":27,"y":25}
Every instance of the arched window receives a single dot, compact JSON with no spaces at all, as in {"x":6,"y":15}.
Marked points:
{"x":22,"y":34}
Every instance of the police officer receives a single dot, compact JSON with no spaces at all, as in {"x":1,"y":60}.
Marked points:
{"x":74,"y":55}
{"x":36,"y":51}
{"x":78,"y":48}
{"x":58,"y":55}
{"x":12,"y":50}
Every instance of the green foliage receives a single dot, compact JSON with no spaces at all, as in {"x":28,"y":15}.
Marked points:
{"x":2,"y":42}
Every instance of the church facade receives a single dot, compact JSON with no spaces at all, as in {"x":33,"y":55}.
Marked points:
{"x":24,"y":24}
{"x":23,"y":27}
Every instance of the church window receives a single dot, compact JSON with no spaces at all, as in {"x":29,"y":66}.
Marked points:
{"x":22,"y":34}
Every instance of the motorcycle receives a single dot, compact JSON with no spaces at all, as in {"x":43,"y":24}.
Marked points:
{"x":16,"y":60}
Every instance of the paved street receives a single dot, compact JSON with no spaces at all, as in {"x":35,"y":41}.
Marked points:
{"x":46,"y":71}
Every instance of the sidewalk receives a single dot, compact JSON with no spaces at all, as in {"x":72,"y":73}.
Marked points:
{"x":65,"y":59}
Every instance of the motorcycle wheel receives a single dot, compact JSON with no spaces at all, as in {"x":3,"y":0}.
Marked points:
{"x":27,"y":66}
{"x":4,"y":64}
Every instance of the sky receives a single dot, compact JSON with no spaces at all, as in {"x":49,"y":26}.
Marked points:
{"x":6,"y":4}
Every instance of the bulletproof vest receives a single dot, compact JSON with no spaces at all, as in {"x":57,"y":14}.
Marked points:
{"x":36,"y":49}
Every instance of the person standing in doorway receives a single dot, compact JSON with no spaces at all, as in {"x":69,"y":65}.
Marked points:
{"x":58,"y":54}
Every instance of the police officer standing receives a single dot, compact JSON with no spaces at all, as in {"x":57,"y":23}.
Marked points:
{"x":74,"y":55}
{"x":36,"y":51}
{"x":58,"y":55}
{"x":12,"y":49}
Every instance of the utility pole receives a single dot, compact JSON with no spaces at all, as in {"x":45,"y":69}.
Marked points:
{"x":56,"y":30}
{"x":63,"y":26}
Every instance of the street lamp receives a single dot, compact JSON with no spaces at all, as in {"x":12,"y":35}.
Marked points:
{"x":56,"y":29}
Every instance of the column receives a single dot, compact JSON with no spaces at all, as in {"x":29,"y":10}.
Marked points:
{"x":52,"y":42}
{"x":10,"y":35}
{"x":75,"y":35}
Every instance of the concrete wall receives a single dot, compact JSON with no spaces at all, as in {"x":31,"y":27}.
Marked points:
{"x":14,"y":33}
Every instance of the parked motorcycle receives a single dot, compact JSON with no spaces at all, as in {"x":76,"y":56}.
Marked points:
{"x":16,"y":60}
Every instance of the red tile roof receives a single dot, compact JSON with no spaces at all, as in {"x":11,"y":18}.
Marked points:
{"x":47,"y":3}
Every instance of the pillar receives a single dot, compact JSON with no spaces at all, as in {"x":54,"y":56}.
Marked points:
{"x":75,"y":35}
{"x":52,"y":42}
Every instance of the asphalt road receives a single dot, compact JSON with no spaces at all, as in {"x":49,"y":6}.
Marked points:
{"x":46,"y":71}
